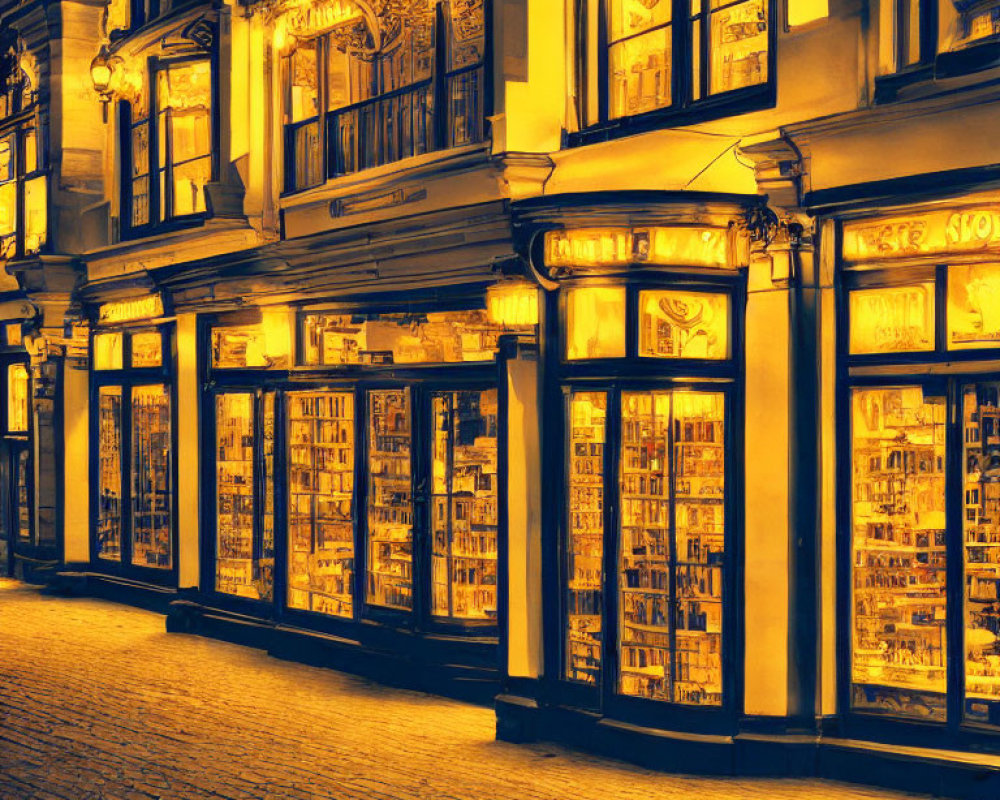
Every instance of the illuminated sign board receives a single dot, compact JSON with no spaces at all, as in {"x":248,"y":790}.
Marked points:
{"x":307,"y":19}
{"x":127,"y":310}
{"x":619,"y":247}
{"x":944,"y":231}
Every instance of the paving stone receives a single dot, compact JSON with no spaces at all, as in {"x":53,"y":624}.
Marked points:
{"x":98,"y":702}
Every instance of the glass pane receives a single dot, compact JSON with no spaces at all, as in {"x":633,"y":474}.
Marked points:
{"x":738,"y":46}
{"x":898,"y":545}
{"x":595,"y":322}
{"x":35,"y":214}
{"x":435,"y":337}
{"x":466,"y":107}
{"x":109,"y":473}
{"x":147,"y":349}
{"x":894,"y":319}
{"x":645,"y":604}
{"x":24,"y":496}
{"x":911,"y":36}
{"x":350,"y":79}
{"x":675,"y":324}
{"x":8,"y":209}
{"x":981,"y":487}
{"x":31,"y":161}
{"x":17,"y":398}
{"x":467,"y":33}
{"x":390,"y":500}
{"x":699,"y":522}
{"x":184,"y":93}
{"x":266,"y":345}
{"x":151,"y":479}
{"x":464,"y":505}
{"x":8,"y":163}
{"x":189,"y":182}
{"x":236,"y":568}
{"x":303,"y":83}
{"x":308,"y":158}
{"x":974,"y":306}
{"x":321,"y":502}
{"x":639,"y":73}
{"x":108,"y":351}
{"x":629,"y":17}
{"x":264,"y":568}
{"x":587,"y":433}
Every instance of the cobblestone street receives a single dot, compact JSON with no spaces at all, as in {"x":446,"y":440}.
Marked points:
{"x":97,"y":701}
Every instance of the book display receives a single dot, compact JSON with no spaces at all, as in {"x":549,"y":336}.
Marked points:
{"x":587,"y":434}
{"x":321,"y":502}
{"x":981,"y":489}
{"x":390,"y":500}
{"x":898,"y":546}
{"x":109,"y":473}
{"x":23,"y":496}
{"x":672,"y":545}
{"x":243,"y":568}
{"x":151,"y":479}
{"x":464,"y":505}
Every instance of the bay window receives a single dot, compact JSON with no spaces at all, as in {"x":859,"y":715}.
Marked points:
{"x":23,"y":185}
{"x":640,"y":56}
{"x":414,"y":86}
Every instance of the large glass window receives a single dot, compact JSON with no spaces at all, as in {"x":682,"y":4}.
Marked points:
{"x":668,"y":53}
{"x":134,"y":459}
{"x":168,"y":161}
{"x":23,"y":183}
{"x":398,"y":92}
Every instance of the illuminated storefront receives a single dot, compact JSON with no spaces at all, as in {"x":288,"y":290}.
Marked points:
{"x":920,"y":488}
{"x":17,"y":530}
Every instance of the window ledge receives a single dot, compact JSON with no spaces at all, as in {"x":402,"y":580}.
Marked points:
{"x":951,"y":71}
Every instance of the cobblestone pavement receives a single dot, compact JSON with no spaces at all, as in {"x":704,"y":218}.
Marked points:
{"x":98,"y":702}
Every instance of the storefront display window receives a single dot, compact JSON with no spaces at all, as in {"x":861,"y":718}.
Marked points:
{"x":893,"y":319}
{"x":108,"y":348}
{"x":151,"y":478}
{"x":675,"y":324}
{"x":973,"y":306}
{"x":595,"y":322}
{"x":17,"y":398}
{"x":109,"y":470}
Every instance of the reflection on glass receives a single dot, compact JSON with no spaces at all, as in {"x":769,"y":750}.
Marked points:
{"x":390,"y":500}
{"x":321,"y":502}
{"x":898,"y":546}
{"x":109,"y":472}
{"x":587,"y":432}
{"x":974,"y":306}
{"x":640,"y":73}
{"x":108,"y":351}
{"x":17,"y":398}
{"x":629,"y":17}
{"x":677,"y":324}
{"x":595,"y":322}
{"x":671,"y":585}
{"x":464,"y":505}
{"x":894,"y":319}
{"x":147,"y":349}
{"x":264,"y":570}
{"x":240,"y":568}
{"x":738,"y":46}
{"x":151,"y":478}
{"x":266,"y":345}
{"x":434,"y":337}
{"x":981,"y":527}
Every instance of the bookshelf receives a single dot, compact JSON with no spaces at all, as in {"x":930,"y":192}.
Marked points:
{"x":109,"y":473}
{"x":151,"y":479}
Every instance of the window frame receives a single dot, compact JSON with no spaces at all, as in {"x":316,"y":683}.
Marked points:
{"x":683,"y":108}
{"x":440,"y":132}
{"x":128,"y":378}
{"x":126,"y":128}
{"x":24,"y":121}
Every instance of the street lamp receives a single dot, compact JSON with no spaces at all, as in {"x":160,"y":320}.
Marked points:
{"x":102,"y":74}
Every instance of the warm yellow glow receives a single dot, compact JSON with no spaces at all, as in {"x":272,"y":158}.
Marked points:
{"x":108,"y":350}
{"x":308,"y":18}
{"x":945,"y":231}
{"x":893,"y":319}
{"x":512,"y":303}
{"x":617,"y":247}
{"x":17,"y":397}
{"x":739,"y":45}
{"x":267,"y":344}
{"x":13,"y":334}
{"x":802,"y":12}
{"x":134,"y":308}
{"x":595,"y":322}
{"x":35,"y":214}
{"x":147,"y":349}
{"x":678,"y":324}
{"x":974,"y":306}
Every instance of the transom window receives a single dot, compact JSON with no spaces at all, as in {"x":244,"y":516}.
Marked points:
{"x":644,"y":55}
{"x":356,"y":98}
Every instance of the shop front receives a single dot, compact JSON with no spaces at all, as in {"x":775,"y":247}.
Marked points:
{"x":920,"y":478}
{"x":18,"y":541}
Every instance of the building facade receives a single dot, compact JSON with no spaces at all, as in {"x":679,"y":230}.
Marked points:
{"x":631,"y":365}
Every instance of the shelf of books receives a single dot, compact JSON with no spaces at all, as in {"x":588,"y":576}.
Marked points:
{"x":109,"y":473}
{"x":151,"y":479}
{"x":899,"y":560}
{"x":587,"y":434}
{"x":390,"y":500}
{"x":981,"y":485}
{"x":321,"y":502}
{"x":464,"y":505}
{"x":672,"y":474}
{"x":238,"y":568}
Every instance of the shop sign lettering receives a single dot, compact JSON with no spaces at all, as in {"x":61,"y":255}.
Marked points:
{"x":618,"y":247}
{"x":134,"y":308}
{"x":946,"y":231}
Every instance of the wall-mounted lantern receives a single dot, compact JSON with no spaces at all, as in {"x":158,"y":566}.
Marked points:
{"x":103,"y":71}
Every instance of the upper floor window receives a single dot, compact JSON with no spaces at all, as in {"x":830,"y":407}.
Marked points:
{"x":23,"y":207}
{"x":167,"y":136}
{"x":639,"y":56}
{"x":361,"y":94}
{"x":127,"y":15}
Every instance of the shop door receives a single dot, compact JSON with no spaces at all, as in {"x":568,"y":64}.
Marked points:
{"x":432,"y":503}
{"x":7,"y":506}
